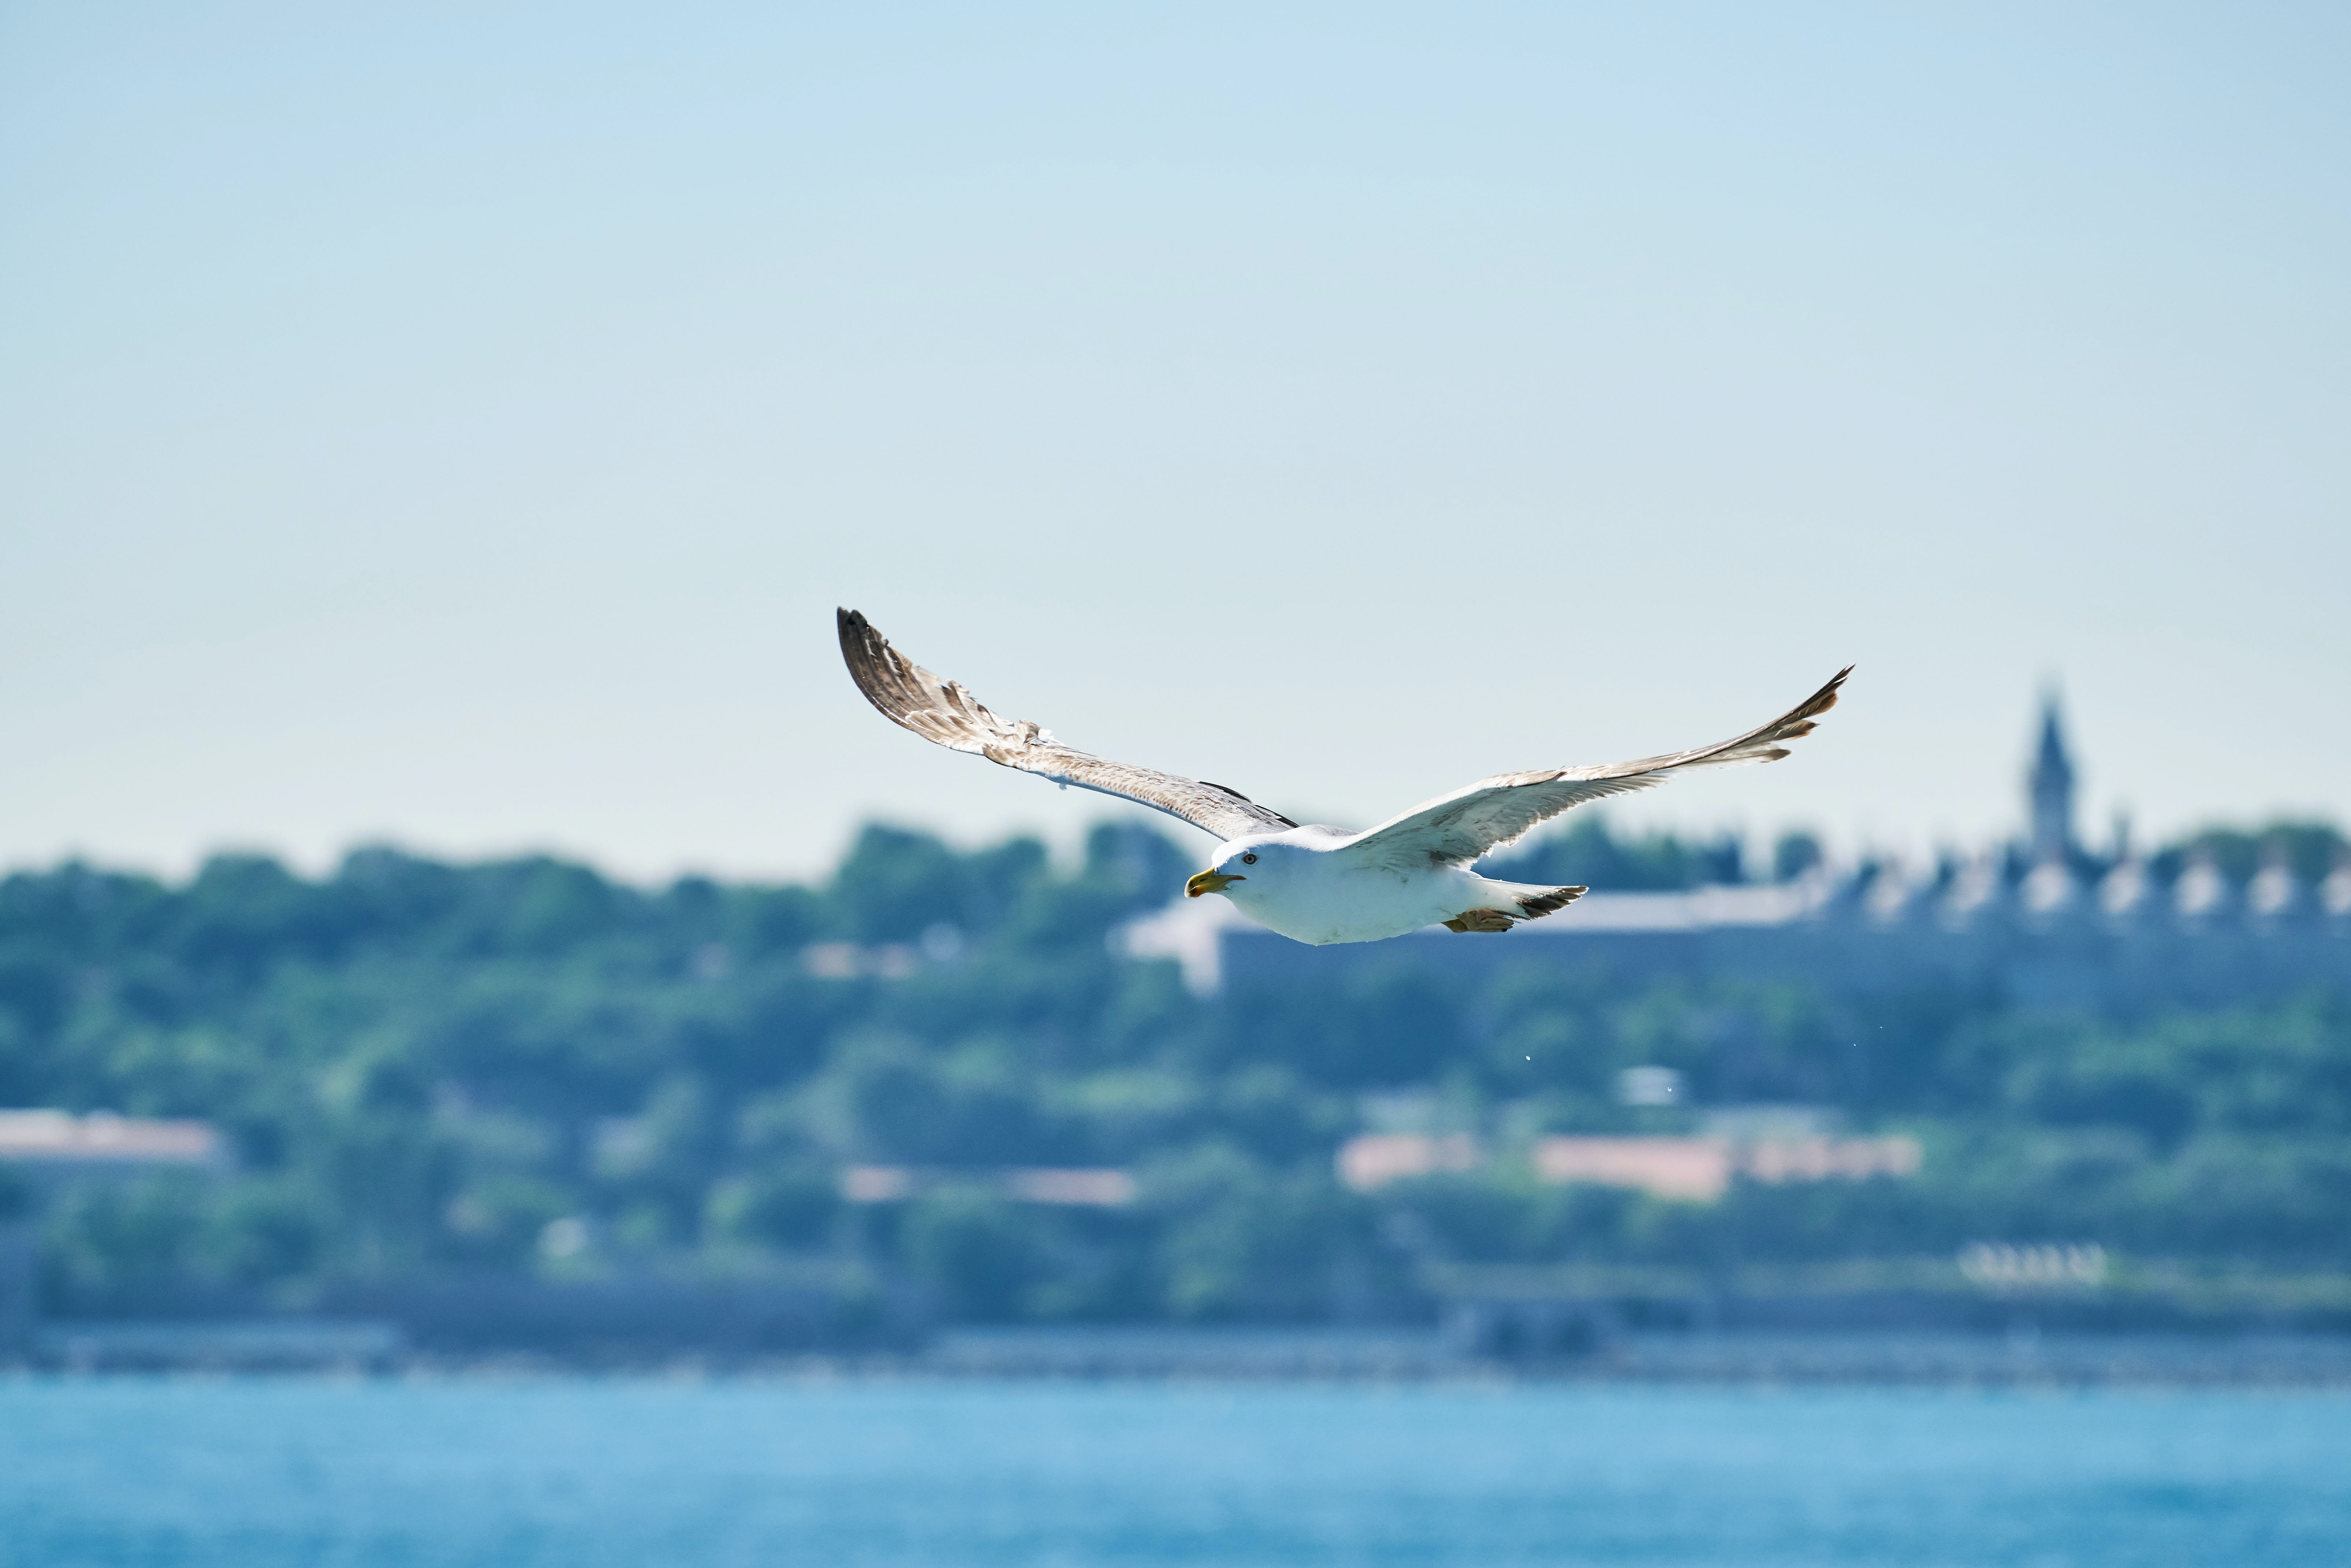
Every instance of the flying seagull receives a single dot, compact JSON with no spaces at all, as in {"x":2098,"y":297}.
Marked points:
{"x":1310,"y":883}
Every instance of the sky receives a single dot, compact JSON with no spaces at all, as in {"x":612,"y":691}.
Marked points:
{"x":454,"y":425}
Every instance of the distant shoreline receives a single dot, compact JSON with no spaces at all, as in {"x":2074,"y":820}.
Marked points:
{"x":1243,"y":1355}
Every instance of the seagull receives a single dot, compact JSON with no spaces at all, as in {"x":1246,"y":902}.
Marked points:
{"x":1314,"y":883}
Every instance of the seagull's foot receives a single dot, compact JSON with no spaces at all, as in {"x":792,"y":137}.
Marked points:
{"x":1480,"y":920}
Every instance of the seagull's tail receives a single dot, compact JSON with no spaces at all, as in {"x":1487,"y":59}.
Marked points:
{"x":1536,"y":902}
{"x":1525,"y":902}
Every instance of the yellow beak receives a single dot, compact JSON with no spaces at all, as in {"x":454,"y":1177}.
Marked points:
{"x":1209,"y":881}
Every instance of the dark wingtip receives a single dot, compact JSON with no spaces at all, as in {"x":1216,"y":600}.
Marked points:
{"x":861,"y":648}
{"x":1825,"y":699}
{"x":857,"y":633}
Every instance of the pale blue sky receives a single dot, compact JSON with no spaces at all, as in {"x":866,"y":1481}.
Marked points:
{"x":457,"y":424}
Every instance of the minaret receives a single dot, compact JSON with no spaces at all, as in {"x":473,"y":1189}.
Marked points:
{"x":2052,"y":790}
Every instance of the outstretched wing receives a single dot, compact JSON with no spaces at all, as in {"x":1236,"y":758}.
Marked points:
{"x":942,"y":711}
{"x":1456,"y":828}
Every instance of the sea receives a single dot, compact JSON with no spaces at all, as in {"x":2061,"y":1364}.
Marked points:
{"x":483,"y":1471}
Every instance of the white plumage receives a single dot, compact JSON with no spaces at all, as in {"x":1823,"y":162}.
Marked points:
{"x":1316,"y":883}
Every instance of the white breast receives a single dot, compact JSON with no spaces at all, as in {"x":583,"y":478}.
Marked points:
{"x":1324,"y":898}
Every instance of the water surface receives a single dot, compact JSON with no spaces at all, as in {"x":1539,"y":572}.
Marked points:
{"x":585,"y":1474}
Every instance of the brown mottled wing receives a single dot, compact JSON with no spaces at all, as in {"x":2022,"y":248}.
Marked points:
{"x":908,"y":695}
{"x":1456,"y":828}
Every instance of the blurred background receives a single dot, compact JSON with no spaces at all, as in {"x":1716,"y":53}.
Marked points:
{"x":456,"y":908}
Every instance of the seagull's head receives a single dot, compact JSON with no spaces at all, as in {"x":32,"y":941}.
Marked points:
{"x":1227,"y":869}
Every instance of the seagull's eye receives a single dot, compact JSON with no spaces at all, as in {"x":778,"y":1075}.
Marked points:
{"x":1248,"y":859}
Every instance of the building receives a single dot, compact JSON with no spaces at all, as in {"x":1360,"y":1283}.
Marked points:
{"x":1077,"y":1186}
{"x":58,"y":1143}
{"x":44,"y":1148}
{"x":1685,"y":1169}
{"x":2041,"y":921}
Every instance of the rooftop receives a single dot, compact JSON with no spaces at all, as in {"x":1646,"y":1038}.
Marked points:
{"x":101,"y":1138}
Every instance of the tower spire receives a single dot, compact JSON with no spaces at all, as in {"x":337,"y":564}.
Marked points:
{"x":2051,"y":790}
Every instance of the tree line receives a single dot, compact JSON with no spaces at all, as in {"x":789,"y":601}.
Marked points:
{"x":524,"y":1067}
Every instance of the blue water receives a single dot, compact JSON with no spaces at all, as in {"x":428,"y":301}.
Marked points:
{"x":582,"y":1474}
